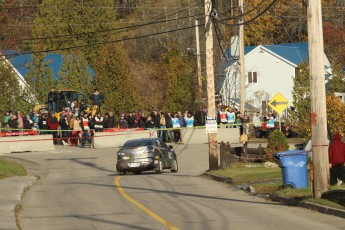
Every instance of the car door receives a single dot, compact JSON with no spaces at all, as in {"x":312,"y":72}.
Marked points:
{"x":164,"y":151}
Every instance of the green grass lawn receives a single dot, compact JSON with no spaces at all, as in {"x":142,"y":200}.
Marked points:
{"x":8,"y":169}
{"x":241,"y":173}
{"x":269,"y":181}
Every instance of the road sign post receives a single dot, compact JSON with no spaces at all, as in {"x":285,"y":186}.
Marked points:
{"x":279,"y":103}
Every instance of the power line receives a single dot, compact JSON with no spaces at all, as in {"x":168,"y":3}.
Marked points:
{"x":248,"y":21}
{"x":103,"y":31}
{"x":102,"y":43}
{"x":116,"y":29}
{"x":142,"y":36}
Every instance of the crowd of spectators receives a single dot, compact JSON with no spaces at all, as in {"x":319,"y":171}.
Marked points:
{"x":73,"y":127}
{"x":76,"y":125}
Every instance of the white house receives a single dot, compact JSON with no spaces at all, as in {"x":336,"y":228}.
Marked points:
{"x":22,"y":83}
{"x":269,"y":69}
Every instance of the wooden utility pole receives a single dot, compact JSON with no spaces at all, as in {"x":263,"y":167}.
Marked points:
{"x":212,"y":137}
{"x":241,"y":61}
{"x":318,"y":99}
{"x":198,"y":58}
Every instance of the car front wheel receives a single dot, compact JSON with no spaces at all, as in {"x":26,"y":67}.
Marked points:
{"x":174,"y":166}
{"x":159,"y":167}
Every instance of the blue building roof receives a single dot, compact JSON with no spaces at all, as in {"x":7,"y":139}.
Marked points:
{"x":54,"y":61}
{"x":293,"y":52}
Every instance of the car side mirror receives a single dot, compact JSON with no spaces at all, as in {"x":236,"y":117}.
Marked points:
{"x":170,"y":146}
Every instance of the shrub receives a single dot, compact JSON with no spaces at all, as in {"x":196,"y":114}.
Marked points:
{"x":276,"y":143}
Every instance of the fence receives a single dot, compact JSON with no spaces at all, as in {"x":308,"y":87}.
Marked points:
{"x":230,"y":155}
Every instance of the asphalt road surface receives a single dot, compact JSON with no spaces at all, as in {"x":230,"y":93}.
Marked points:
{"x":80,"y":189}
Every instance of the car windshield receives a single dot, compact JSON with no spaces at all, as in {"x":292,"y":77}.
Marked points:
{"x":138,"y":143}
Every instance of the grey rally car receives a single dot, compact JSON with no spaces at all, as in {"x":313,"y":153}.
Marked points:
{"x":144,"y":155}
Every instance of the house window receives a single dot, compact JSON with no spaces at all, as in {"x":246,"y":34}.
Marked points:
{"x":297,"y":72}
{"x":252,"y":77}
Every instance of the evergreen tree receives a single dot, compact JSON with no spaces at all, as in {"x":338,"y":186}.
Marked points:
{"x":75,"y":74}
{"x":114,"y":81}
{"x":300,"y":114}
{"x":13,"y":97}
{"x":70,"y":23}
{"x":40,"y":77}
{"x":179,"y":80}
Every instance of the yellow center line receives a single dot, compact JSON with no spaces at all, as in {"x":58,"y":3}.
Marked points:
{"x":142,"y":207}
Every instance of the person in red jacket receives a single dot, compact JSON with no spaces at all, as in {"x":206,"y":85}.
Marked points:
{"x":337,"y":160}
{"x":53,"y":124}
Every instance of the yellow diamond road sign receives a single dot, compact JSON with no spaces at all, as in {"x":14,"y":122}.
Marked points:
{"x":278,"y":103}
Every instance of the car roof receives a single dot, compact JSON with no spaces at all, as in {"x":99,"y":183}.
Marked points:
{"x":141,"y":139}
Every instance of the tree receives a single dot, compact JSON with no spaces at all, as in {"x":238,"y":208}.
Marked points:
{"x":40,"y":77}
{"x":66,"y":24}
{"x":16,"y":22}
{"x":13,"y":97}
{"x":115,"y":82}
{"x":180,"y":82}
{"x":300,"y":114}
{"x":75,"y":73}
{"x":276,"y":143}
{"x":334,"y":37}
{"x":335,"y":114}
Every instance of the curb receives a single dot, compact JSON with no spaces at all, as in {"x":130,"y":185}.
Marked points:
{"x":287,"y":201}
{"x":14,"y":188}
{"x":314,"y":207}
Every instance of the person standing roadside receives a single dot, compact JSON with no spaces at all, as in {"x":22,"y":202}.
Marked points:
{"x":98,"y":123}
{"x":43,"y":124}
{"x":200,"y":117}
{"x":6,"y":118}
{"x":77,"y":129}
{"x":141,"y":120}
{"x":65,"y":128}
{"x":97,"y":100}
{"x":163,"y":126}
{"x":123,"y":123}
{"x":177,"y":125}
{"x":110,"y":121}
{"x":52,"y":101}
{"x":132,"y":120}
{"x":86,"y":128}
{"x":20,"y":120}
{"x":53,"y":125}
{"x":170,"y":135}
{"x":13,"y":123}
{"x":257,"y":124}
{"x":337,"y":160}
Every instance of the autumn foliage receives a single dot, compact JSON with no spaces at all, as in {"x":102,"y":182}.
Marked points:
{"x":335,"y":114}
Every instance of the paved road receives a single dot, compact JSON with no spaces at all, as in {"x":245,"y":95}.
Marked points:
{"x":81,"y":190}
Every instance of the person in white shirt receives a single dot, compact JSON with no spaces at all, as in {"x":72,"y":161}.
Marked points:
{"x":257,"y":124}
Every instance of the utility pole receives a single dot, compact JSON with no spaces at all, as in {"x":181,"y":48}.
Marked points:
{"x":212,"y":137}
{"x":241,"y":61}
{"x":198,"y":58}
{"x":318,"y":99}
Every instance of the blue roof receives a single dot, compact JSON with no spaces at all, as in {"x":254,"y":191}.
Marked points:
{"x":54,"y":61}
{"x":293,"y":52}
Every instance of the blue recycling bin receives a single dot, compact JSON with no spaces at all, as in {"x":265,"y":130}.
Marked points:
{"x":293,"y":164}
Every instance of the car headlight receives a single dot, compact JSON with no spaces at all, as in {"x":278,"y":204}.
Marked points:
{"x":120,"y":154}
